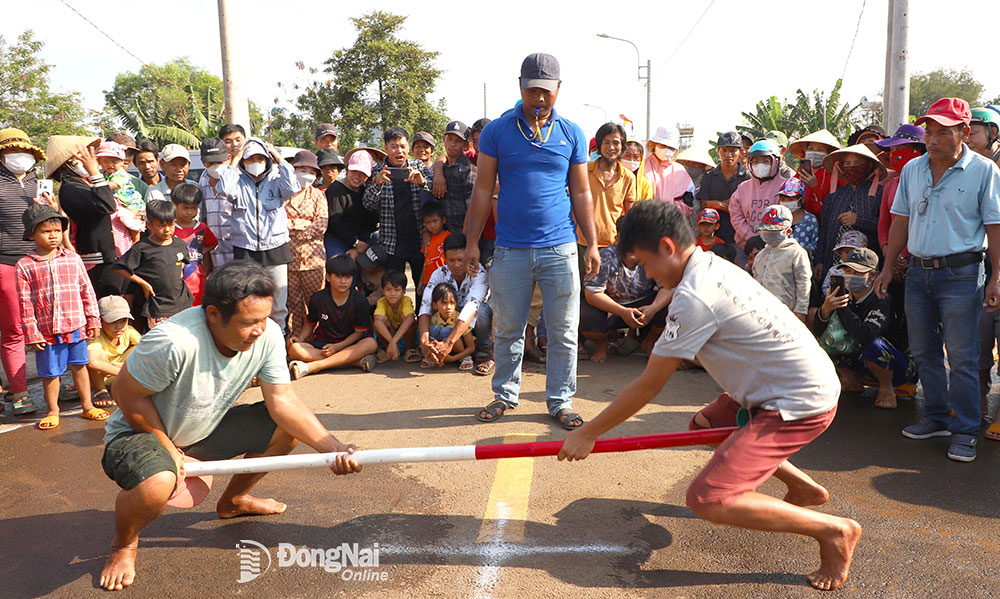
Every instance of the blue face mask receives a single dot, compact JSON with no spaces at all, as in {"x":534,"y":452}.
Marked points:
{"x":594,"y":156}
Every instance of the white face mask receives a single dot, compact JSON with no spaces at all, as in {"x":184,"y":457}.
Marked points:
{"x":255,"y":168}
{"x":772,"y":238}
{"x":792,"y":206}
{"x":19,"y":163}
{"x":632,"y":165}
{"x":214,"y":170}
{"x":305,"y":179}
{"x":816,"y":158}
{"x":761,"y":170}
{"x":664,"y":153}
{"x":78,"y":169}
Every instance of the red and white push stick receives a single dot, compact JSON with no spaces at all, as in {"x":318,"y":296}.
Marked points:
{"x":454,"y":453}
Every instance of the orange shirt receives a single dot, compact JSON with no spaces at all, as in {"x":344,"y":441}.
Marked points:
{"x":609,"y":203}
{"x":433,"y":255}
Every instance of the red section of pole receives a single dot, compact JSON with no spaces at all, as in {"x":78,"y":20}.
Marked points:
{"x":546,"y":448}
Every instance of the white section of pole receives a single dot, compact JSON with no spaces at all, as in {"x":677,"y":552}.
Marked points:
{"x":237,"y":106}
{"x":898,"y":101}
{"x":323,"y":460}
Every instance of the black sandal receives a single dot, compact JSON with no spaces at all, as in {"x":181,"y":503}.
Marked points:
{"x":495,"y":409}
{"x":570,"y":417}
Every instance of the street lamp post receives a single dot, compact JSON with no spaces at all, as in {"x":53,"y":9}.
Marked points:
{"x":605,"y":112}
{"x":647,"y":77}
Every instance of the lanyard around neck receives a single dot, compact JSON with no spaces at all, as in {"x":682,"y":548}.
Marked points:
{"x":536,"y":134}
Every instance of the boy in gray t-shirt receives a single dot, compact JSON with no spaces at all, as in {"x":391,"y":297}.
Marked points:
{"x":774,"y":370}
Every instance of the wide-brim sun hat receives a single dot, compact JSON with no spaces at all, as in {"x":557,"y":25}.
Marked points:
{"x":15,"y":138}
{"x":62,"y":147}
{"x":859,"y":149}
{"x":376,"y":154}
{"x":798,"y":147}
{"x":696,"y":155}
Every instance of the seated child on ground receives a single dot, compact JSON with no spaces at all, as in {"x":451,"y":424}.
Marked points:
{"x":128,"y":220}
{"x":199,"y":238}
{"x":782,"y":267}
{"x":337,"y":331}
{"x":394,"y":320}
{"x":371,"y":269}
{"x":434,"y":223}
{"x":109,"y":349}
{"x":444,"y":302}
{"x":156,"y":264}
{"x":58,"y":311}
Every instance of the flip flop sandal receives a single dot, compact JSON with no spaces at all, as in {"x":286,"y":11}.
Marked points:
{"x":570,"y":417}
{"x":484,"y":366}
{"x":496,"y":409}
{"x":427,"y":363}
{"x":95,"y":414}
{"x":381,"y":356}
{"x":298,"y":369}
{"x":533,"y":354}
{"x":906,"y":390}
{"x":68,"y":393}
{"x":368,"y":363}
{"x":23,"y":405}
{"x":412,"y":356}
{"x":48,"y":423}
{"x":993,"y":432}
{"x":886,"y":400}
{"x":102,"y":399}
{"x":466,"y":364}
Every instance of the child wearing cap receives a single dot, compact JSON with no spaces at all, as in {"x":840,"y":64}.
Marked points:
{"x":708,"y":224}
{"x":805,"y":227}
{"x":778,"y":379}
{"x":854,"y":326}
{"x":58,"y":310}
{"x":109,"y":349}
{"x":197,"y":235}
{"x":782,"y":267}
{"x":128,"y":220}
{"x":848,"y":240}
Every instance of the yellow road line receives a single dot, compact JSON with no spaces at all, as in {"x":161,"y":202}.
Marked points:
{"x":507,"y":506}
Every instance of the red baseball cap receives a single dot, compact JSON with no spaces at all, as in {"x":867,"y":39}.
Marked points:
{"x":948,"y":112}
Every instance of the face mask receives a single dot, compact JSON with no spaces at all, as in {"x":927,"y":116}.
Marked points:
{"x":816,"y":158}
{"x":632,"y":165}
{"x":305,"y":179}
{"x":664,"y":153}
{"x":855,"y":175}
{"x":214,"y":170}
{"x":772,"y":238}
{"x":899,"y":158}
{"x":255,"y":168}
{"x":594,"y":156}
{"x":77,"y":168}
{"x":792,"y":206}
{"x":19,"y":163}
{"x":856,"y":283}
{"x":761,"y":170}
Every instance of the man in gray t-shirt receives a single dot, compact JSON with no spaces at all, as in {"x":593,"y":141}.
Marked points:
{"x":776,"y":374}
{"x":175,"y":396}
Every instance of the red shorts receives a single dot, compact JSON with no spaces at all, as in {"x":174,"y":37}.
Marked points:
{"x":750,"y":455}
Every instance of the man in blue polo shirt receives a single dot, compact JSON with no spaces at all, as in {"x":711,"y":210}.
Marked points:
{"x":947,"y":205}
{"x":537,"y":155}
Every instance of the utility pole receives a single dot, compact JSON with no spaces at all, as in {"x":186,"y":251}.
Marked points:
{"x":484,"y":99}
{"x":649,"y":94}
{"x":896,"y":107}
{"x":237,"y":106}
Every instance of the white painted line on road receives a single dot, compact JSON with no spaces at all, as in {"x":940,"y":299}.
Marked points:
{"x":506,"y":550}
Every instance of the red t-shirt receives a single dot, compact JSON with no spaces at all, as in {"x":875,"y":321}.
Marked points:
{"x":813,"y":202}
{"x":199,"y":239}
{"x":706,"y":247}
{"x":433,"y":255}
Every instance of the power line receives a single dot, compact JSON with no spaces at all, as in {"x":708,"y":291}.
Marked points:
{"x":856,"y":30}
{"x":690,"y":31}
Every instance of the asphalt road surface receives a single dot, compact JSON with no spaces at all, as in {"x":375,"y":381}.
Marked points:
{"x":614,"y":525}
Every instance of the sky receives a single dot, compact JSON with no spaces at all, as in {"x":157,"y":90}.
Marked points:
{"x":740,"y":52}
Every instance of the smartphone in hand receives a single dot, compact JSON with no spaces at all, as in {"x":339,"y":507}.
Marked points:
{"x":399,"y":174}
{"x":805,"y":166}
{"x":44,"y":186}
{"x":837,"y":283}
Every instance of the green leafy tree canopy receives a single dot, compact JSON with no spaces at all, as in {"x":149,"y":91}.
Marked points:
{"x":807,"y":114}
{"x":926,"y":88}
{"x":27,"y":102}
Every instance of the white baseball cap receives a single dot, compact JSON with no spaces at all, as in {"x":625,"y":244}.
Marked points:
{"x":666,"y":136}
{"x":171,"y":151}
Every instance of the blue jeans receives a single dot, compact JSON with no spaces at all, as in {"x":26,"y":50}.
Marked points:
{"x":952,"y":297}
{"x":512,"y":282}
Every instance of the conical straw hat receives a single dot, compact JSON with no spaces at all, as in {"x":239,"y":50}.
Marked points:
{"x":61,"y":148}
{"x":798,"y":147}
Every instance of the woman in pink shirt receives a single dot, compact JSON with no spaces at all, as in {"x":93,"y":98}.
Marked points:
{"x":753,"y":196}
{"x":671,"y":182}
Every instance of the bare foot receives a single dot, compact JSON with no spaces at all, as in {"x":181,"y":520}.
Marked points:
{"x":248,"y":505}
{"x":835,"y":554}
{"x":119,"y":570}
{"x":807,"y":495}
{"x":600,"y":355}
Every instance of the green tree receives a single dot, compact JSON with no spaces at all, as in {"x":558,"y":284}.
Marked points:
{"x":379,"y":82}
{"x":27,"y":102}
{"x":809,"y":113}
{"x":925,"y":88}
{"x":172,"y":103}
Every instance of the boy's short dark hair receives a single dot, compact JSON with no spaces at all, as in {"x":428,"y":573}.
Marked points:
{"x":341,"y":264}
{"x":161,"y":210}
{"x":648,"y":222}
{"x":433,"y":209}
{"x":395,"y":133}
{"x":479,"y":125}
{"x":455,"y":241}
{"x":227,"y":285}
{"x":607,"y":129}
{"x":442,"y":290}
{"x":724,"y":250}
{"x":754,"y":243}
{"x":230,"y":128}
{"x":145,"y":145}
{"x":54,"y":220}
{"x":186,"y":193}
{"x":396,"y":278}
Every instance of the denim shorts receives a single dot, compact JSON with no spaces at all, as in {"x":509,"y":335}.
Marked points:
{"x":52,"y":361}
{"x":131,"y":458}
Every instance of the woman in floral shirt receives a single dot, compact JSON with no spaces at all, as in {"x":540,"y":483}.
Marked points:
{"x":307,"y":216}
